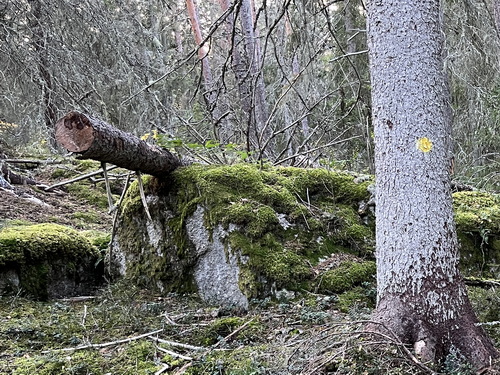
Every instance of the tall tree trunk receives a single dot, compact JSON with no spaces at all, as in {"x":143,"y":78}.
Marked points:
{"x":421,"y":295}
{"x":39,"y":42}
{"x":496,"y":14}
{"x":294,"y":107}
{"x":211,"y":93}
{"x":240,"y":68}
{"x":258,"y":130}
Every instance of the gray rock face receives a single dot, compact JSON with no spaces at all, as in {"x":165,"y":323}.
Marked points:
{"x":217,"y":271}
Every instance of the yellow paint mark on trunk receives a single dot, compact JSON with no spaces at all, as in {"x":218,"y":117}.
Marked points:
{"x":424,"y":144}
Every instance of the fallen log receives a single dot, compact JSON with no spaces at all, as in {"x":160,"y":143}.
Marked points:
{"x":92,"y":138}
{"x":14,"y":178}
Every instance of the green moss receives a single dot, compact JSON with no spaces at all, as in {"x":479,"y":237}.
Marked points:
{"x":100,"y":240}
{"x":90,"y":194}
{"x":219,"y":329}
{"x":351,"y":233}
{"x":132,"y":201}
{"x":485,"y":302}
{"x":348,"y":275}
{"x":137,"y":358}
{"x":86,"y":217}
{"x":477,"y":211}
{"x":256,"y":218}
{"x":33,"y":250}
{"x":283,"y":220}
{"x":62,"y":173}
{"x":312,"y":183}
{"x":268,"y":258}
{"x":34,"y":279}
{"x":358,"y":297}
{"x":87,"y":165}
{"x":240,"y":361}
{"x":477,"y":215}
{"x":22,"y":244}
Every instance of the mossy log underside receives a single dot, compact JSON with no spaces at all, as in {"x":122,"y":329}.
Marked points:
{"x":94,"y":139}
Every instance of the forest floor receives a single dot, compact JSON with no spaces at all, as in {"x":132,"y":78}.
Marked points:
{"x":123,"y":329}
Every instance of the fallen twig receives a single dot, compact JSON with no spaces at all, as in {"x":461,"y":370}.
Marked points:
{"x":495,"y":323}
{"x":475,"y":281}
{"x":173,"y":354}
{"x":29,"y":161}
{"x":103,"y":345}
{"x":83,"y":177}
{"x":178,"y":344}
{"x":163,"y":369}
{"x":183,"y":369}
{"x":233,"y":333}
{"x":77,"y":299}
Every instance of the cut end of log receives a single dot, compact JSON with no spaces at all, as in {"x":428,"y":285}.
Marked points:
{"x":74,"y":132}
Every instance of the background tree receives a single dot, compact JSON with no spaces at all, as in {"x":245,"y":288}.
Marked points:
{"x":135,"y":64}
{"x":421,"y":296}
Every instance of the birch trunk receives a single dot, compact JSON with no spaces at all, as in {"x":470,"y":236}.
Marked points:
{"x":421,"y":295}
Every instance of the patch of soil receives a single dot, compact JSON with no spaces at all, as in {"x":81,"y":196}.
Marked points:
{"x":33,"y":204}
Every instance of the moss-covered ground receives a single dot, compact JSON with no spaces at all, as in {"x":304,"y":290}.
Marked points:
{"x":315,"y":332}
{"x":104,"y":335}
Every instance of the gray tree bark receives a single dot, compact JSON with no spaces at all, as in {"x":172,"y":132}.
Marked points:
{"x":40,"y":45}
{"x":421,"y":295}
{"x":211,"y":95}
{"x":258,"y":130}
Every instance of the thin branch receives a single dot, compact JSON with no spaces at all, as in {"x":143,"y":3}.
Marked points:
{"x":163,"y":369}
{"x":30,"y":161}
{"x":173,"y":354}
{"x":178,"y":344}
{"x":239,"y":329}
{"x":103,"y":345}
{"x":143,"y":196}
{"x":83,"y":177}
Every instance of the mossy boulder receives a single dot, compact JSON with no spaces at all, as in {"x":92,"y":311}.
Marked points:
{"x":477,"y":215}
{"x":239,"y":232}
{"x":48,"y":261}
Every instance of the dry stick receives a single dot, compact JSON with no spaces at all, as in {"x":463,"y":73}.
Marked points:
{"x":112,"y":207}
{"x":143,"y":197}
{"x":103,"y":345}
{"x":183,"y":369}
{"x":77,"y":299}
{"x":233,"y":333}
{"x":115,"y":221}
{"x":163,"y":369}
{"x":173,"y":354}
{"x":78,"y":178}
{"x":27,"y":161}
{"x":178,"y":344}
{"x":475,"y":281}
{"x":405,"y":350}
{"x":393,"y":338}
{"x":84,"y":317}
